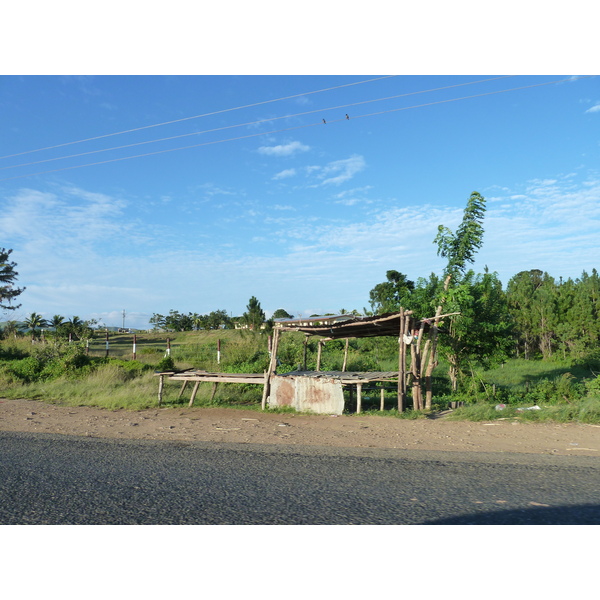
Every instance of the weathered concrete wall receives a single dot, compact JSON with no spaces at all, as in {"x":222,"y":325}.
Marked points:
{"x":308,"y":394}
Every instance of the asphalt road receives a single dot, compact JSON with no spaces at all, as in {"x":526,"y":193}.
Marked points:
{"x":53,"y":479}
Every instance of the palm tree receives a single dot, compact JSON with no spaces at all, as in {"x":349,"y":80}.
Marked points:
{"x":34,"y":322}
{"x":10,"y":328}
{"x":56,"y":321}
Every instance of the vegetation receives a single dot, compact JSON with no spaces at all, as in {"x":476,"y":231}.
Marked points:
{"x":8,"y":275}
{"x":529,"y":351}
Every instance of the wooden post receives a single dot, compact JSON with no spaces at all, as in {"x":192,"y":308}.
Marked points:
{"x":382,"y":402}
{"x":433,"y":354}
{"x":161,"y":383}
{"x":168,"y":347}
{"x":272,"y":367}
{"x":319,"y":347}
{"x":214,"y":391}
{"x":401,"y":363}
{"x":194,"y":392}
{"x":358,"y":398}
{"x":87,"y":347}
{"x":218,"y":352}
{"x":134,"y":342}
{"x":304,"y":351}
{"x":107,"y":346}
{"x":345,"y":355}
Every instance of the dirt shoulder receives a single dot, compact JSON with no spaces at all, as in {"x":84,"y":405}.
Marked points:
{"x":353,"y":431}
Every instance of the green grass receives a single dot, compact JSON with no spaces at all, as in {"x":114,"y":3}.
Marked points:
{"x":567,"y":391}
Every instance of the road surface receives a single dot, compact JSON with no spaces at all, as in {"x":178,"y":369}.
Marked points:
{"x":56,"y":479}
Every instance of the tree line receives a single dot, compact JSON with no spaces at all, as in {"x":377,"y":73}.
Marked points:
{"x":535,"y":316}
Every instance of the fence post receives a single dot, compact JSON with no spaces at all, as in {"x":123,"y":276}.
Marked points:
{"x":134,"y":341}
{"x":107,"y":345}
{"x":218,"y":352}
{"x":168,"y":346}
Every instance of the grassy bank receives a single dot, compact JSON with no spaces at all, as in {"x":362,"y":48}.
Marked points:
{"x":78,"y":375}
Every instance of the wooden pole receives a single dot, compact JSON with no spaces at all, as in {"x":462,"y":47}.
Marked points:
{"x":161,"y":383}
{"x":319,"y":347}
{"x":358,"y":398}
{"x":107,"y":345}
{"x":304,"y":351}
{"x":382,"y":399}
{"x":272,"y":367}
{"x":433,"y":354}
{"x":134,"y":342}
{"x":401,"y":363}
{"x":346,"y":354}
{"x":218,"y":352}
{"x":214,"y":391}
{"x":168,"y":346}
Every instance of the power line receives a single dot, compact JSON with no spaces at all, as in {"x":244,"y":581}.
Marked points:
{"x":217,"y":112}
{"x":345,"y":118}
{"x":319,"y":110}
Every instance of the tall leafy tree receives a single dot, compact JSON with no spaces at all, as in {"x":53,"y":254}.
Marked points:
{"x":8,"y":275}
{"x":481,"y":333}
{"x":393,"y":293}
{"x":254,"y":316}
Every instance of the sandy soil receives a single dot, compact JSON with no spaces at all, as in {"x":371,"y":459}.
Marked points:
{"x":242,"y":426}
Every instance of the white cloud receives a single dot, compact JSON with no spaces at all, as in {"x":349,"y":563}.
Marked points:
{"x":284,"y":174}
{"x":288,"y":149}
{"x":593,"y":109}
{"x":340,"y":171}
{"x":70,"y":253}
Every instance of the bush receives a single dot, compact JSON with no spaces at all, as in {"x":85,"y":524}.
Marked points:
{"x":166,"y":364}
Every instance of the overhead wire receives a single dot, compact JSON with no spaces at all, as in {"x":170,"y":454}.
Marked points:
{"x":216,"y":112}
{"x":345,"y":118}
{"x":250,"y":123}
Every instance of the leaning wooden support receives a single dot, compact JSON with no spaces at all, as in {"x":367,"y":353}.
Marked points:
{"x":194,"y":392}
{"x":182,"y":390}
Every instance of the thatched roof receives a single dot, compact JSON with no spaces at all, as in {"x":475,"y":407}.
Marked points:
{"x":351,"y":327}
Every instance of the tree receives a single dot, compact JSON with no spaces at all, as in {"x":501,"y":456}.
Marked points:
{"x":478,"y":335}
{"x":77,"y":328}
{"x":34,"y":322}
{"x":390,"y":295}
{"x":280,"y":313}
{"x":56,"y":321}
{"x":254,"y":316}
{"x":460,"y":247}
{"x":8,"y":291}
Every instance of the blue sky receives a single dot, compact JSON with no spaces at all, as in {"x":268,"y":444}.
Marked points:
{"x":270,"y":201}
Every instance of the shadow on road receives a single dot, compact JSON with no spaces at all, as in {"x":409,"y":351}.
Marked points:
{"x":582,"y":514}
